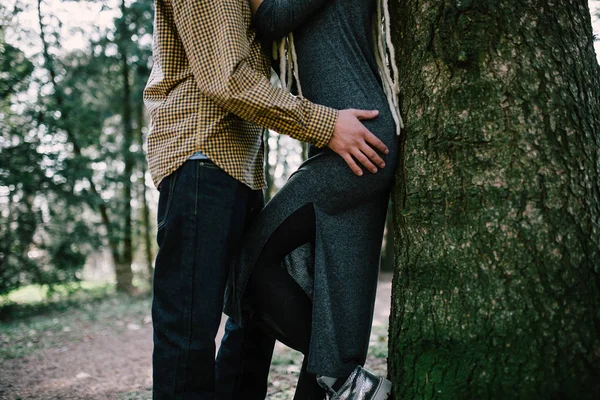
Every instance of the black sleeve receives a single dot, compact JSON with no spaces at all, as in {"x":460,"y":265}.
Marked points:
{"x":274,"y":19}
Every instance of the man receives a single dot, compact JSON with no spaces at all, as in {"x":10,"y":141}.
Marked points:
{"x":208,"y":94}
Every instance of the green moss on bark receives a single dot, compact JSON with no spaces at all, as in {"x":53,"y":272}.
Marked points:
{"x":497,"y":204}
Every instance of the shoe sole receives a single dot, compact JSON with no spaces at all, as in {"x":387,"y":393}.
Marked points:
{"x":384,"y":390}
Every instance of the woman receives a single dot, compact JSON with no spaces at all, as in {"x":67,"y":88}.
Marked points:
{"x":309,"y":266}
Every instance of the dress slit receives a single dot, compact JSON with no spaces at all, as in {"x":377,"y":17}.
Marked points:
{"x":281,"y":306}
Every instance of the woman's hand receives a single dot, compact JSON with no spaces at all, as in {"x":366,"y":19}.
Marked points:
{"x":254,"y":5}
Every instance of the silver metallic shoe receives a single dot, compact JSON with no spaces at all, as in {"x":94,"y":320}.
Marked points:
{"x":360,"y":385}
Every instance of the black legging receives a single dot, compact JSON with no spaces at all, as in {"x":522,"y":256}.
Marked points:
{"x":279,"y":304}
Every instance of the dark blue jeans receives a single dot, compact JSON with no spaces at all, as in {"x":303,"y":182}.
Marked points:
{"x":202,"y":213}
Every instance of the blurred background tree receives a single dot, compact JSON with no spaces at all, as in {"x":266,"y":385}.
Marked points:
{"x":73,"y":169}
{"x":39,"y":214}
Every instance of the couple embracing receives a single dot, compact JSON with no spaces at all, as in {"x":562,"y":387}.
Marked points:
{"x":303,"y":269}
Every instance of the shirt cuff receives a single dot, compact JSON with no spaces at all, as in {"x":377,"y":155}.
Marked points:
{"x":319,"y":130}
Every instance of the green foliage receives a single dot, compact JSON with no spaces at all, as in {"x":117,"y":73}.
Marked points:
{"x":31,"y":300}
{"x":62,"y":145}
{"x":16,"y":69}
{"x":24,"y":186}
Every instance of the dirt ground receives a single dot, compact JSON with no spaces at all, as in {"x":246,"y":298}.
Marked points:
{"x":110,"y":358}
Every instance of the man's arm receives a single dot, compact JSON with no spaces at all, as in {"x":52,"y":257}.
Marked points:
{"x":214,"y":36}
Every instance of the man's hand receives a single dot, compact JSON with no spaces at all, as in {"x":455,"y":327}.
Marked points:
{"x":352,"y":140}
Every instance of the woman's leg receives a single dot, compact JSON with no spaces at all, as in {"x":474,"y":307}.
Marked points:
{"x":308,"y":388}
{"x":347,"y":253}
{"x":284,"y":311}
{"x":281,"y":307}
{"x":348,"y":216}
{"x":278,"y":302}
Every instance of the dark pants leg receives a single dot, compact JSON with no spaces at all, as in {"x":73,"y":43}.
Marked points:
{"x":243,"y":362}
{"x":201,"y":217}
{"x":281,"y":307}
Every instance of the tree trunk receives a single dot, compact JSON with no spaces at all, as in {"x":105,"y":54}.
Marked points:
{"x":149,"y":254}
{"x":305,"y":149}
{"x":387,"y":251}
{"x":123,"y":269}
{"x":497,"y":202}
{"x":269,"y":172}
{"x":147,"y":225}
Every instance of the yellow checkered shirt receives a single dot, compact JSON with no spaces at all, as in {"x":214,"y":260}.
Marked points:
{"x":209,"y":91}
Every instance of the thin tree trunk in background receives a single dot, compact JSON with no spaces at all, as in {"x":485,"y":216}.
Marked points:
{"x":497,"y":202}
{"x":268,"y":170}
{"x":305,"y":148}
{"x":7,"y":244}
{"x":147,"y":229}
{"x":123,"y":269}
{"x":387,"y":253}
{"x":147,"y":225}
{"x":27,"y":220}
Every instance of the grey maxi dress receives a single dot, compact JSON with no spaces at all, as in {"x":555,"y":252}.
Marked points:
{"x":338,"y":268}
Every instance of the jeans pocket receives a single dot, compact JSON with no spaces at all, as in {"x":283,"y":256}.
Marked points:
{"x":164,"y":200}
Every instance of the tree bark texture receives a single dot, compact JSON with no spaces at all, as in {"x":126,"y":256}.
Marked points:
{"x":497,"y":201}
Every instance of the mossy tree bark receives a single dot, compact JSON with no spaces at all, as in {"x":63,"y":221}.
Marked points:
{"x":497,"y":202}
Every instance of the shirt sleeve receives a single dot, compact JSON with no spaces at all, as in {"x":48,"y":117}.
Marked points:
{"x":214,"y":34}
{"x":275,"y":19}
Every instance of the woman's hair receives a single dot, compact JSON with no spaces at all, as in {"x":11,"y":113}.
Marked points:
{"x":285,"y":52}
